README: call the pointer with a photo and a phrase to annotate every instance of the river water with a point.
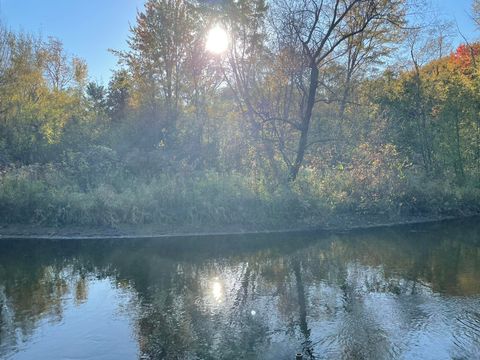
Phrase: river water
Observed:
(410, 292)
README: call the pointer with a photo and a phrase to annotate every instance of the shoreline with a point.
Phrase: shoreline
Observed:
(126, 232)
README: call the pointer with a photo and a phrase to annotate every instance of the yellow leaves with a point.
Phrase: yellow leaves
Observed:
(59, 108)
(80, 70)
(46, 113)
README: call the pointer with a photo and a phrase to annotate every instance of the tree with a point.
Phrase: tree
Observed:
(433, 114)
(97, 96)
(60, 70)
(118, 95)
(305, 37)
(41, 91)
(424, 45)
(364, 50)
(159, 46)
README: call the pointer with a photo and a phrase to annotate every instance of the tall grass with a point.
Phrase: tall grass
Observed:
(47, 195)
(204, 198)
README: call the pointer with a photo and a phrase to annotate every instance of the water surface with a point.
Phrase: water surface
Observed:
(398, 293)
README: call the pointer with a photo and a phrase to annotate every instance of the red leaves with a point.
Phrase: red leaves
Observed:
(465, 55)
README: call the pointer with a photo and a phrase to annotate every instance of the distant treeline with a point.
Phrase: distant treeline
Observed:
(316, 110)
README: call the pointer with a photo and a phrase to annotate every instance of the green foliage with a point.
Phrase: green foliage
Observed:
(41, 94)
(47, 196)
(91, 167)
(433, 116)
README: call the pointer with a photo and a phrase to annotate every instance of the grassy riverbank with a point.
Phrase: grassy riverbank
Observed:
(49, 196)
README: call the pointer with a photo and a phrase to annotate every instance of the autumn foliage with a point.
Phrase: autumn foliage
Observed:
(466, 55)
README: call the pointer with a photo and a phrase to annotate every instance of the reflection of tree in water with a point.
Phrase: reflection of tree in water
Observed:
(33, 296)
(346, 296)
(81, 290)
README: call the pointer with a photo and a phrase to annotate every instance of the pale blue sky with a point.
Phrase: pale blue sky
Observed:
(88, 28)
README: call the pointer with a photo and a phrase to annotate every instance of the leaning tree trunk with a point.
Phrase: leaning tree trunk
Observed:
(305, 125)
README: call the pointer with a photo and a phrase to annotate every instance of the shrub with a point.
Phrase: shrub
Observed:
(377, 183)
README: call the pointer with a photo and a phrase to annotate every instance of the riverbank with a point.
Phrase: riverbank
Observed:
(341, 224)
(38, 203)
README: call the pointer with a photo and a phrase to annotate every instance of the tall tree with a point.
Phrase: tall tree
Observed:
(159, 46)
(305, 37)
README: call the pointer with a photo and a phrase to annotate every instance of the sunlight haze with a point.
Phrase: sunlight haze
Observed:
(89, 28)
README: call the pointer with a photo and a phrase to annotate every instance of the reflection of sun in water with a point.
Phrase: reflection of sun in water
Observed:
(217, 40)
(217, 290)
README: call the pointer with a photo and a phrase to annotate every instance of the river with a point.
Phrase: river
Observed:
(404, 292)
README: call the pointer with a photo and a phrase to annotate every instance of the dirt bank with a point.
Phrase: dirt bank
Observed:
(339, 224)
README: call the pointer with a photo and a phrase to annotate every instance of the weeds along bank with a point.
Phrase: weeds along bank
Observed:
(51, 195)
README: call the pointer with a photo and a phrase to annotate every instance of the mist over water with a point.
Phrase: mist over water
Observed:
(404, 293)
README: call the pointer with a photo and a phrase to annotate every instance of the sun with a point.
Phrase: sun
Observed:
(217, 40)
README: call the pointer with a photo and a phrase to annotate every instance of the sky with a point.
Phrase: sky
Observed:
(88, 28)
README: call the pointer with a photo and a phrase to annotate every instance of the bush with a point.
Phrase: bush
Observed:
(204, 199)
(371, 183)
(376, 183)
(439, 196)
(88, 169)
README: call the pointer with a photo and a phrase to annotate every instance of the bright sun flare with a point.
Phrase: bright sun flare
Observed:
(217, 40)
(217, 290)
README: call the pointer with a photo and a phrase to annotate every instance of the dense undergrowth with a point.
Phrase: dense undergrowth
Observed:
(52, 195)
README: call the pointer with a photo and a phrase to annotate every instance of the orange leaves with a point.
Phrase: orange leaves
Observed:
(465, 55)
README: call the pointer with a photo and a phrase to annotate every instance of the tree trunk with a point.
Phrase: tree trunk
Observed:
(345, 96)
(307, 116)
